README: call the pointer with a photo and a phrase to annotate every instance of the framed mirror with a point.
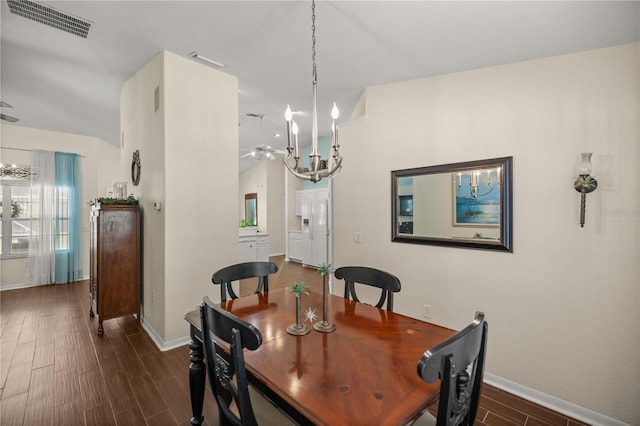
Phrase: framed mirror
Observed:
(460, 205)
(251, 209)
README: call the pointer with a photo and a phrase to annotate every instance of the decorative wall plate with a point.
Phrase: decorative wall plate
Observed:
(135, 168)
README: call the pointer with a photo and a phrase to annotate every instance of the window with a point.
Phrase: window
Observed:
(16, 217)
(15, 210)
(62, 218)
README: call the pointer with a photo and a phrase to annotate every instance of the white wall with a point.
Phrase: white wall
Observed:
(563, 309)
(250, 181)
(266, 179)
(275, 206)
(201, 163)
(189, 151)
(142, 128)
(99, 169)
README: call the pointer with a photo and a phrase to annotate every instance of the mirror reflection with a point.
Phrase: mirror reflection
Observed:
(251, 209)
(463, 204)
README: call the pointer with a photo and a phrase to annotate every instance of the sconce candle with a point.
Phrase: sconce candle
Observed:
(585, 183)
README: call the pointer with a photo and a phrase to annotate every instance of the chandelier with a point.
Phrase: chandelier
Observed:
(18, 172)
(318, 169)
(480, 182)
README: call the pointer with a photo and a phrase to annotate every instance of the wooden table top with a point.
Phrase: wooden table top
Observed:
(363, 373)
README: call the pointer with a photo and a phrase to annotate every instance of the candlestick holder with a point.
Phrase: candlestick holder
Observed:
(324, 326)
(298, 329)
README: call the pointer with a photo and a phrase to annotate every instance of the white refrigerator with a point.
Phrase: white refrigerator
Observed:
(315, 231)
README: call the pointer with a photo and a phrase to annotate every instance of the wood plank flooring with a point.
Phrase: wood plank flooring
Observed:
(55, 370)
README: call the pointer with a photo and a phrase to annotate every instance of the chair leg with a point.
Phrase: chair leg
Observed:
(197, 377)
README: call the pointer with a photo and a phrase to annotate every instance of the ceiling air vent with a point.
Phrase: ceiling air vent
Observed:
(50, 16)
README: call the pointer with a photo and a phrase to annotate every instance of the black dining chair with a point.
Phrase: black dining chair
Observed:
(386, 282)
(240, 271)
(238, 403)
(459, 363)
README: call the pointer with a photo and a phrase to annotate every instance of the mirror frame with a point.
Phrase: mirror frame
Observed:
(247, 199)
(505, 243)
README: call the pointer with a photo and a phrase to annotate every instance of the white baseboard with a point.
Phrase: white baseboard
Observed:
(27, 285)
(551, 402)
(16, 286)
(161, 344)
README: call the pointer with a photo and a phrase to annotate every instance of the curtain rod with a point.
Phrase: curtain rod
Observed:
(16, 149)
(31, 150)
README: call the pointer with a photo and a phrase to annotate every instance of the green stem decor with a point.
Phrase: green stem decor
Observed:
(324, 326)
(298, 329)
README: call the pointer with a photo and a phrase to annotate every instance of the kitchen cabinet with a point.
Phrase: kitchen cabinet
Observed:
(253, 247)
(262, 248)
(295, 246)
(114, 275)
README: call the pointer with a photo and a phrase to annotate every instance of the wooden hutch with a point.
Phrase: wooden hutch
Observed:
(115, 242)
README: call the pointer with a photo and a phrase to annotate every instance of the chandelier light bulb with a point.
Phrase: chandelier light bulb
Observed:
(294, 128)
(334, 112)
(288, 115)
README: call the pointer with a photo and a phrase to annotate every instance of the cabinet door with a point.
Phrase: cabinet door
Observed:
(295, 247)
(118, 262)
(262, 251)
(247, 251)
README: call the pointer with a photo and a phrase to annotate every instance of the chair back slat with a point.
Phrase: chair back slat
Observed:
(240, 271)
(226, 370)
(459, 363)
(386, 282)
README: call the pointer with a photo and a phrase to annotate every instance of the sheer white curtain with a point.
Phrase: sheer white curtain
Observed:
(42, 256)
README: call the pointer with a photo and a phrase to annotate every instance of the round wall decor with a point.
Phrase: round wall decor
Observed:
(135, 168)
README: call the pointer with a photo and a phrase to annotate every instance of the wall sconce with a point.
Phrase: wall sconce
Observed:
(585, 183)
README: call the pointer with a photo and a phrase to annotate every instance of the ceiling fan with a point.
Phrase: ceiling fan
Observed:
(261, 150)
(5, 117)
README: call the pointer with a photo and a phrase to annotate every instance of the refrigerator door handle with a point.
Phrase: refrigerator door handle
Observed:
(311, 221)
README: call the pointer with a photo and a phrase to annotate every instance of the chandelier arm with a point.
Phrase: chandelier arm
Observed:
(486, 193)
(331, 173)
(295, 172)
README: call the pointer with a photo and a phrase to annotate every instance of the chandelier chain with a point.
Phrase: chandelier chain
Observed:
(317, 168)
(313, 40)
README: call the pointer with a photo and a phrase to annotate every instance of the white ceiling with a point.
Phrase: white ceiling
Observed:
(61, 82)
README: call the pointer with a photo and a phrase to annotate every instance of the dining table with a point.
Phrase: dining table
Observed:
(362, 373)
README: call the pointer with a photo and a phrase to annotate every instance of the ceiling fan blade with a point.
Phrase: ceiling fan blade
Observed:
(3, 104)
(9, 118)
(248, 154)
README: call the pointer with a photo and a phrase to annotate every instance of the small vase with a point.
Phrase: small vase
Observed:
(298, 329)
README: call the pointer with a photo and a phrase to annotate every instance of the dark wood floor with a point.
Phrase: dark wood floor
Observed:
(55, 370)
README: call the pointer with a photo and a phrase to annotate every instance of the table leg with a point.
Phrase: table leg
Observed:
(197, 376)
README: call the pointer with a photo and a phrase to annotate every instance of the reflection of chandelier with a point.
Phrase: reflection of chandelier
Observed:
(18, 172)
(318, 169)
(478, 178)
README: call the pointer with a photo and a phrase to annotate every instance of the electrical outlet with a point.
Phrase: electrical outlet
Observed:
(426, 311)
(357, 237)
